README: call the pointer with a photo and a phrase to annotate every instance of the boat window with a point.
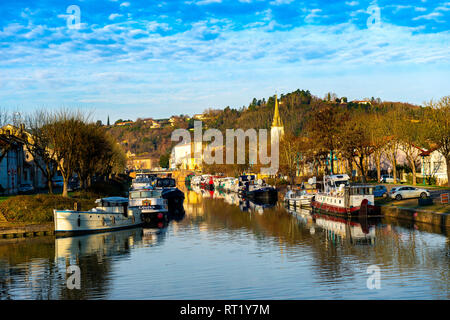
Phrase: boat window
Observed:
(134, 195)
(150, 194)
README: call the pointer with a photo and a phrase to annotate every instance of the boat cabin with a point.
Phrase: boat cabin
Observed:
(112, 205)
(164, 183)
(335, 181)
(145, 197)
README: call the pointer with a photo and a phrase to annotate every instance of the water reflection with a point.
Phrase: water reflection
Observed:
(226, 247)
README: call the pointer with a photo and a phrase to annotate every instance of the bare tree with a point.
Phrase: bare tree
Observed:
(38, 144)
(377, 139)
(438, 128)
(64, 132)
(392, 145)
(5, 144)
(411, 133)
(355, 142)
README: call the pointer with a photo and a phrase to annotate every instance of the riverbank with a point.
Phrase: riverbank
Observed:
(22, 230)
(436, 214)
(418, 214)
(39, 208)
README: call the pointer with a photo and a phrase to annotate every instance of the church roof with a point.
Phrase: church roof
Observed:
(276, 116)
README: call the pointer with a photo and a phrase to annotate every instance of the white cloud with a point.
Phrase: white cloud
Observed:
(280, 2)
(314, 14)
(431, 16)
(443, 7)
(123, 56)
(205, 2)
(114, 15)
(153, 26)
(125, 4)
(352, 3)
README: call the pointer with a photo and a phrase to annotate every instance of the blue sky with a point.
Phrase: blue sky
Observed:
(135, 58)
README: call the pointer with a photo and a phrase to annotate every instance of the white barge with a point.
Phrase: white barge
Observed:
(111, 213)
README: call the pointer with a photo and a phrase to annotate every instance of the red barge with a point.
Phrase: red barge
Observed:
(340, 198)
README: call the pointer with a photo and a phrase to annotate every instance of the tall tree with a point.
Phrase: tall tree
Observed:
(438, 128)
(38, 142)
(355, 142)
(411, 133)
(293, 150)
(392, 145)
(377, 139)
(64, 132)
(323, 129)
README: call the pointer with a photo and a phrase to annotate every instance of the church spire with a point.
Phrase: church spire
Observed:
(276, 116)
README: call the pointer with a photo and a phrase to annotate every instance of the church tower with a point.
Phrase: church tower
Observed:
(277, 128)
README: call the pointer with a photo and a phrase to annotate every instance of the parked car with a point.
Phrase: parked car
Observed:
(385, 178)
(73, 185)
(25, 188)
(409, 192)
(58, 182)
(393, 190)
(380, 191)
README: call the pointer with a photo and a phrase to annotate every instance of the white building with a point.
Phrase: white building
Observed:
(182, 157)
(17, 165)
(434, 165)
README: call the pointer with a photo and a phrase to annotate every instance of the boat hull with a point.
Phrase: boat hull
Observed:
(153, 216)
(76, 222)
(357, 211)
(262, 194)
(175, 199)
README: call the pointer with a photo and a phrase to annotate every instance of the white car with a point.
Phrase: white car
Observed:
(409, 192)
(386, 179)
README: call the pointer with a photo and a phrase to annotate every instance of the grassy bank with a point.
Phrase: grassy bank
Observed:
(39, 208)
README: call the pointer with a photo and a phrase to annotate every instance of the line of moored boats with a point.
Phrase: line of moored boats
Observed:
(334, 195)
(246, 185)
(150, 200)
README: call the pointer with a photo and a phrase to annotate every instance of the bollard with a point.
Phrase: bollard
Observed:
(77, 206)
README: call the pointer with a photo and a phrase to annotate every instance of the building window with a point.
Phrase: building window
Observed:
(438, 167)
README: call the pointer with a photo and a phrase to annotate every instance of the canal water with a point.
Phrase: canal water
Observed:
(227, 248)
